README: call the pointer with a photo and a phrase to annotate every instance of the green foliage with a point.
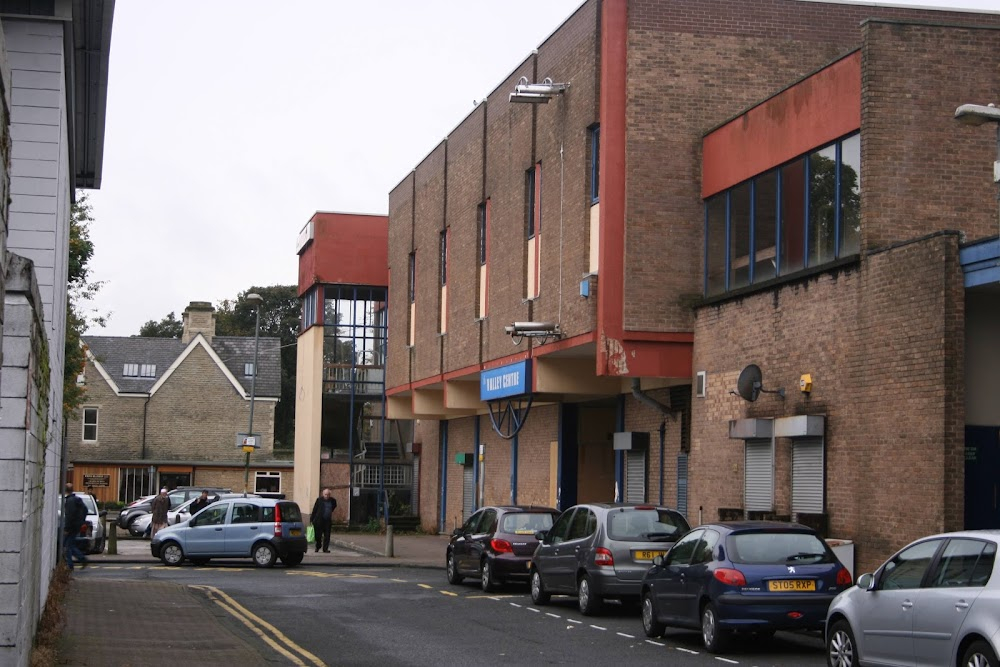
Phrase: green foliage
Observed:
(80, 290)
(373, 526)
(168, 327)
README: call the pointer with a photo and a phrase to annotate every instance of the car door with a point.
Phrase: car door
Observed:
(954, 584)
(578, 549)
(669, 586)
(547, 555)
(205, 534)
(887, 612)
(698, 575)
(481, 536)
(460, 548)
(243, 528)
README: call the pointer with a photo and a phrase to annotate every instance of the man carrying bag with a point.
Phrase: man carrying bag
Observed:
(321, 519)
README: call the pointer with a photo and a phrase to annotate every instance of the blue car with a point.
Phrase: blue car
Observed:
(742, 576)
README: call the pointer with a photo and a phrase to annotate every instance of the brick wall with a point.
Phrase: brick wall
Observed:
(888, 382)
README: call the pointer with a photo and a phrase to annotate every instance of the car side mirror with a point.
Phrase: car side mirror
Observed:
(866, 581)
(542, 536)
(457, 532)
(658, 561)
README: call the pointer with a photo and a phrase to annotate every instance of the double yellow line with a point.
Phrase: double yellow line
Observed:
(260, 627)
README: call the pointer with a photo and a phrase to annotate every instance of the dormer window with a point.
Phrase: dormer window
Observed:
(248, 370)
(130, 370)
(147, 370)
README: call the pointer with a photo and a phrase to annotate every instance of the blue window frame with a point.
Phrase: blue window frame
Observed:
(481, 222)
(533, 226)
(412, 272)
(804, 213)
(444, 257)
(595, 163)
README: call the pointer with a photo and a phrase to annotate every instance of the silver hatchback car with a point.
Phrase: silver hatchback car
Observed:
(936, 602)
(602, 550)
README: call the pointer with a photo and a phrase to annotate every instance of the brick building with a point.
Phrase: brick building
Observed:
(717, 187)
(168, 412)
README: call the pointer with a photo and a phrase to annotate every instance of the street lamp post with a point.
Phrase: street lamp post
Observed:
(977, 114)
(255, 300)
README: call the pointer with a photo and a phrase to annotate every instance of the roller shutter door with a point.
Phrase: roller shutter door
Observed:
(758, 475)
(635, 476)
(807, 475)
(682, 484)
(468, 492)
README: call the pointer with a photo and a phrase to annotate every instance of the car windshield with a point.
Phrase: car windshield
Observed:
(646, 524)
(525, 523)
(88, 501)
(778, 548)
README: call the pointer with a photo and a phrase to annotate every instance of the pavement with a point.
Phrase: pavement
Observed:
(122, 623)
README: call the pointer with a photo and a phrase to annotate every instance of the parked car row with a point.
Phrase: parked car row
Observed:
(936, 602)
(143, 505)
(140, 526)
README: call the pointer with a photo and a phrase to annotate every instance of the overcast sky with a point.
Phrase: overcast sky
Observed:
(230, 122)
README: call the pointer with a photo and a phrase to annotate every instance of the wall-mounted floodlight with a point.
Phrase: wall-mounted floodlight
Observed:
(544, 330)
(536, 93)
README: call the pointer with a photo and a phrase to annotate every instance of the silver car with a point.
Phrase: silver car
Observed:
(936, 602)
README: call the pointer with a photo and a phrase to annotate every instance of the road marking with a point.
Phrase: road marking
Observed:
(400, 581)
(138, 567)
(650, 641)
(112, 567)
(549, 613)
(306, 573)
(514, 604)
(454, 595)
(573, 620)
(425, 586)
(597, 627)
(247, 617)
(731, 662)
(537, 611)
(687, 650)
(622, 634)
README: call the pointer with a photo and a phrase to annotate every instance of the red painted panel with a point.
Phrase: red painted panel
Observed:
(347, 249)
(813, 112)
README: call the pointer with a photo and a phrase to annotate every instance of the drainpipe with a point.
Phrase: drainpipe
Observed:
(651, 402)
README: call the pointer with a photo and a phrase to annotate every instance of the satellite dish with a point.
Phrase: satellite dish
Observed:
(750, 384)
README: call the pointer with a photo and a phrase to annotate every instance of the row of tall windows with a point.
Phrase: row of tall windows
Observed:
(802, 214)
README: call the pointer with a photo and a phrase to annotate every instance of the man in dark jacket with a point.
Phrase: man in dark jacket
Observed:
(199, 503)
(74, 516)
(322, 518)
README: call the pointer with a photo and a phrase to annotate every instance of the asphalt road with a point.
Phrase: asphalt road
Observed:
(389, 616)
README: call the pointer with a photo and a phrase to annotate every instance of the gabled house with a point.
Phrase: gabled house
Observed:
(168, 412)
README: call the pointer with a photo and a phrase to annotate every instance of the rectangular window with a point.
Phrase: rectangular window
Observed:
(267, 482)
(309, 308)
(413, 277)
(793, 208)
(850, 196)
(765, 226)
(443, 244)
(248, 370)
(130, 370)
(739, 236)
(595, 163)
(147, 370)
(90, 424)
(715, 252)
(483, 219)
(533, 199)
(481, 223)
(822, 205)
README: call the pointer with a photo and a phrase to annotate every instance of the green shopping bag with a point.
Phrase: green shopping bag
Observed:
(311, 533)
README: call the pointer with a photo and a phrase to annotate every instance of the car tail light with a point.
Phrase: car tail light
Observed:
(844, 577)
(730, 577)
(277, 520)
(85, 530)
(795, 615)
(603, 558)
(501, 546)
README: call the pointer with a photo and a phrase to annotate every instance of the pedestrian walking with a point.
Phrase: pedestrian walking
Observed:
(74, 516)
(199, 503)
(160, 506)
(322, 518)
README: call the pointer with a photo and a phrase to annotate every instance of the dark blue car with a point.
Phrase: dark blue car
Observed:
(742, 576)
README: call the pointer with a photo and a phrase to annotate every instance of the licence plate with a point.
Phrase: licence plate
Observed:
(782, 585)
(647, 555)
(296, 532)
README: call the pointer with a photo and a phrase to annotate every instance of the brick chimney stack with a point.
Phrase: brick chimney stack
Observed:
(199, 318)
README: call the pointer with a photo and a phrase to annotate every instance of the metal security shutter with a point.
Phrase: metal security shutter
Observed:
(635, 476)
(415, 504)
(807, 475)
(468, 492)
(682, 484)
(758, 475)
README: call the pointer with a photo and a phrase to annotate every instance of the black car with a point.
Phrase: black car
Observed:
(496, 543)
(177, 497)
(754, 577)
(602, 550)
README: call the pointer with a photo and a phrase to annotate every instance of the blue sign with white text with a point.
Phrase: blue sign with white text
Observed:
(510, 380)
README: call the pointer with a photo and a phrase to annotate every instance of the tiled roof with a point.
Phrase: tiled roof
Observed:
(113, 352)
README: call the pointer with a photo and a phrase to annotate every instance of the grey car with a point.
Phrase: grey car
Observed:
(263, 529)
(602, 550)
(936, 602)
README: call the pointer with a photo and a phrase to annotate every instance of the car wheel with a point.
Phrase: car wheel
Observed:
(650, 624)
(293, 559)
(714, 637)
(538, 593)
(489, 583)
(264, 555)
(171, 553)
(452, 569)
(199, 561)
(979, 654)
(841, 649)
(588, 602)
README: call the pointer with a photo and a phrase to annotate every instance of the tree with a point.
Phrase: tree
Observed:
(168, 327)
(80, 290)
